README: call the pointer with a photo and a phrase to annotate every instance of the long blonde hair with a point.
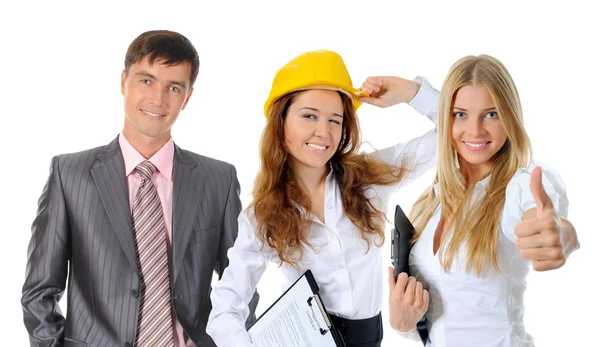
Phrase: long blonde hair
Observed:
(474, 224)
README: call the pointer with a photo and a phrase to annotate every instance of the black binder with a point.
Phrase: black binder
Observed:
(401, 235)
(316, 307)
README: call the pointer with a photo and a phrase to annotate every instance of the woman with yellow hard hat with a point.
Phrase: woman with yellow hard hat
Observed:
(317, 203)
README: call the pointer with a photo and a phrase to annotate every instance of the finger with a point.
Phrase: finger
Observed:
(539, 241)
(544, 253)
(425, 306)
(391, 280)
(376, 81)
(401, 281)
(533, 241)
(529, 227)
(547, 265)
(419, 294)
(370, 88)
(410, 290)
(361, 93)
(542, 200)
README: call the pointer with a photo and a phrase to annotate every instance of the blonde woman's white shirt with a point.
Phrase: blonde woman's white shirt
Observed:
(487, 311)
(349, 277)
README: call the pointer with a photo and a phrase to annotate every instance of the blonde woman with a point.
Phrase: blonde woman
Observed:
(490, 214)
(317, 202)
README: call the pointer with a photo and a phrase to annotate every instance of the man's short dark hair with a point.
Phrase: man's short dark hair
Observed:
(168, 47)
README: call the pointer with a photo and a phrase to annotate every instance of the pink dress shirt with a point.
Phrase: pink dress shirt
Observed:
(163, 181)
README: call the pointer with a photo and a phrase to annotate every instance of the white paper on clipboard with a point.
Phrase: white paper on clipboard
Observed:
(296, 319)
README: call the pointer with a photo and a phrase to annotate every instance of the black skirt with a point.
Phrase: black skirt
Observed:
(360, 332)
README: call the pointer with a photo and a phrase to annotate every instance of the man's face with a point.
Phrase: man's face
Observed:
(154, 95)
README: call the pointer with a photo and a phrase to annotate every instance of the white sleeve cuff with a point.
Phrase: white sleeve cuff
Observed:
(426, 100)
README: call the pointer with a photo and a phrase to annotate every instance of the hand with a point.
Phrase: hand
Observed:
(386, 91)
(408, 301)
(539, 234)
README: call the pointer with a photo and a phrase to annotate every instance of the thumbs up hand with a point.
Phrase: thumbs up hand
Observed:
(539, 234)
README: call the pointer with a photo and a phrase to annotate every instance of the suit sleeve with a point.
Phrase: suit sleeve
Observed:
(229, 234)
(47, 265)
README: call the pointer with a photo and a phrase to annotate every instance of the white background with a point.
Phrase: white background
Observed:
(61, 65)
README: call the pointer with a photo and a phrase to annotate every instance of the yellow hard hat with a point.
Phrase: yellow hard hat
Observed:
(319, 69)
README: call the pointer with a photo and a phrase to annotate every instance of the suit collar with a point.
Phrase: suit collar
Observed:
(109, 175)
(188, 186)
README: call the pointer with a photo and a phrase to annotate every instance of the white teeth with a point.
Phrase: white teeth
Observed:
(475, 145)
(317, 146)
(151, 114)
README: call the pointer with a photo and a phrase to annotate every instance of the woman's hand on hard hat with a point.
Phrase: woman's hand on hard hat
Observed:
(386, 91)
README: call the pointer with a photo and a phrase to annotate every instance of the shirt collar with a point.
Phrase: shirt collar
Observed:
(163, 159)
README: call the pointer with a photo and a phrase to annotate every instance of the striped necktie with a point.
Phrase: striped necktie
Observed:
(155, 325)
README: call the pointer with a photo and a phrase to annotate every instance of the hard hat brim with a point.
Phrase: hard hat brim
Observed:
(354, 94)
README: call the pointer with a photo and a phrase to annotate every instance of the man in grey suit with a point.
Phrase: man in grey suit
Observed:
(137, 226)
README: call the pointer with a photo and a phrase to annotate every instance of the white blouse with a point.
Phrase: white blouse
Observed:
(466, 310)
(349, 276)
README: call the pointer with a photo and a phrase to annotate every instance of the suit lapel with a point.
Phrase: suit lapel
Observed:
(188, 184)
(109, 175)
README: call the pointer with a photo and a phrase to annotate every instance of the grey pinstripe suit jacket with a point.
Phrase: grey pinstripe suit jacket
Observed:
(83, 231)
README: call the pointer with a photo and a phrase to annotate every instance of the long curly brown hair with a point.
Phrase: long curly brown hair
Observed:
(277, 193)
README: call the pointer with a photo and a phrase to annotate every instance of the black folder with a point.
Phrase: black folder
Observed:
(401, 245)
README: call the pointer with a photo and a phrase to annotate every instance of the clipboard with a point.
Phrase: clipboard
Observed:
(402, 235)
(297, 318)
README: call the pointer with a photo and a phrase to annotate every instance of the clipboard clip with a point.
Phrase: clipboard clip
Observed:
(323, 313)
